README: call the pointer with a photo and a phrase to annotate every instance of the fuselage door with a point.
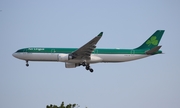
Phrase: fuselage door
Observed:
(25, 51)
(53, 51)
(95, 51)
(132, 52)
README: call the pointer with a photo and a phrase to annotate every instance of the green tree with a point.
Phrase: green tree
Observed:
(62, 106)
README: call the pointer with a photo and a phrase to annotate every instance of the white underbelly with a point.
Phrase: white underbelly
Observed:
(41, 56)
(97, 57)
(120, 57)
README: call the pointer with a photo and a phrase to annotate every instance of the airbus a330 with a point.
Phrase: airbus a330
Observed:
(88, 53)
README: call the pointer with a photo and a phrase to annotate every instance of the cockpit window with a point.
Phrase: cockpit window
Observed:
(21, 50)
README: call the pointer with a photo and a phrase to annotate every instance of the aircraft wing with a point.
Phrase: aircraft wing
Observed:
(85, 51)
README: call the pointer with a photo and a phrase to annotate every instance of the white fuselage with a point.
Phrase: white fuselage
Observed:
(95, 58)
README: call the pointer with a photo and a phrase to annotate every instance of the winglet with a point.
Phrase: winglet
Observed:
(153, 50)
(100, 34)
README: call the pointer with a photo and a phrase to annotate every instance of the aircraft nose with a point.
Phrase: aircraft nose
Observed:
(18, 55)
(14, 54)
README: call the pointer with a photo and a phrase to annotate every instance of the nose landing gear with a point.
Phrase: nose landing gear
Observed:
(27, 64)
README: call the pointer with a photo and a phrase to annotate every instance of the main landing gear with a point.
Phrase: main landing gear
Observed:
(27, 64)
(87, 67)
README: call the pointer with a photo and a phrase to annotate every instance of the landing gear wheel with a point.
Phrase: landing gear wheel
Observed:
(27, 64)
(87, 67)
(83, 63)
(91, 70)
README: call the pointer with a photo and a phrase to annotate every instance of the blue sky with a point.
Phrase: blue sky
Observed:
(147, 83)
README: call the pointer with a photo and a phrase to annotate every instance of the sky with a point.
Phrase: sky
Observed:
(151, 82)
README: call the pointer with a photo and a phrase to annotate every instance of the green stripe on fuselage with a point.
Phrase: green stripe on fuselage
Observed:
(70, 50)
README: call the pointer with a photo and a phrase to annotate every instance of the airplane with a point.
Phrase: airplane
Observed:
(89, 54)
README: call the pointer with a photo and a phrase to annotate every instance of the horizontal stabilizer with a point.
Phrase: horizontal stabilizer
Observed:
(153, 50)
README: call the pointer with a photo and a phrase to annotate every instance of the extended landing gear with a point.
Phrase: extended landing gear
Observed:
(91, 70)
(27, 64)
(87, 67)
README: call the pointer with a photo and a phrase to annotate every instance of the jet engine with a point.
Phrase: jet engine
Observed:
(65, 57)
(70, 65)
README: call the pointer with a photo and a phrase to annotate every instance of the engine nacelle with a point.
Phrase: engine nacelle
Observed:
(70, 65)
(63, 57)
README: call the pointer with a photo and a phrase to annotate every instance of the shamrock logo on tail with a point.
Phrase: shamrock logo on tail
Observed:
(152, 41)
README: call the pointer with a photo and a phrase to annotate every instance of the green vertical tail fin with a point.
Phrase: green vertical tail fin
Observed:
(152, 41)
